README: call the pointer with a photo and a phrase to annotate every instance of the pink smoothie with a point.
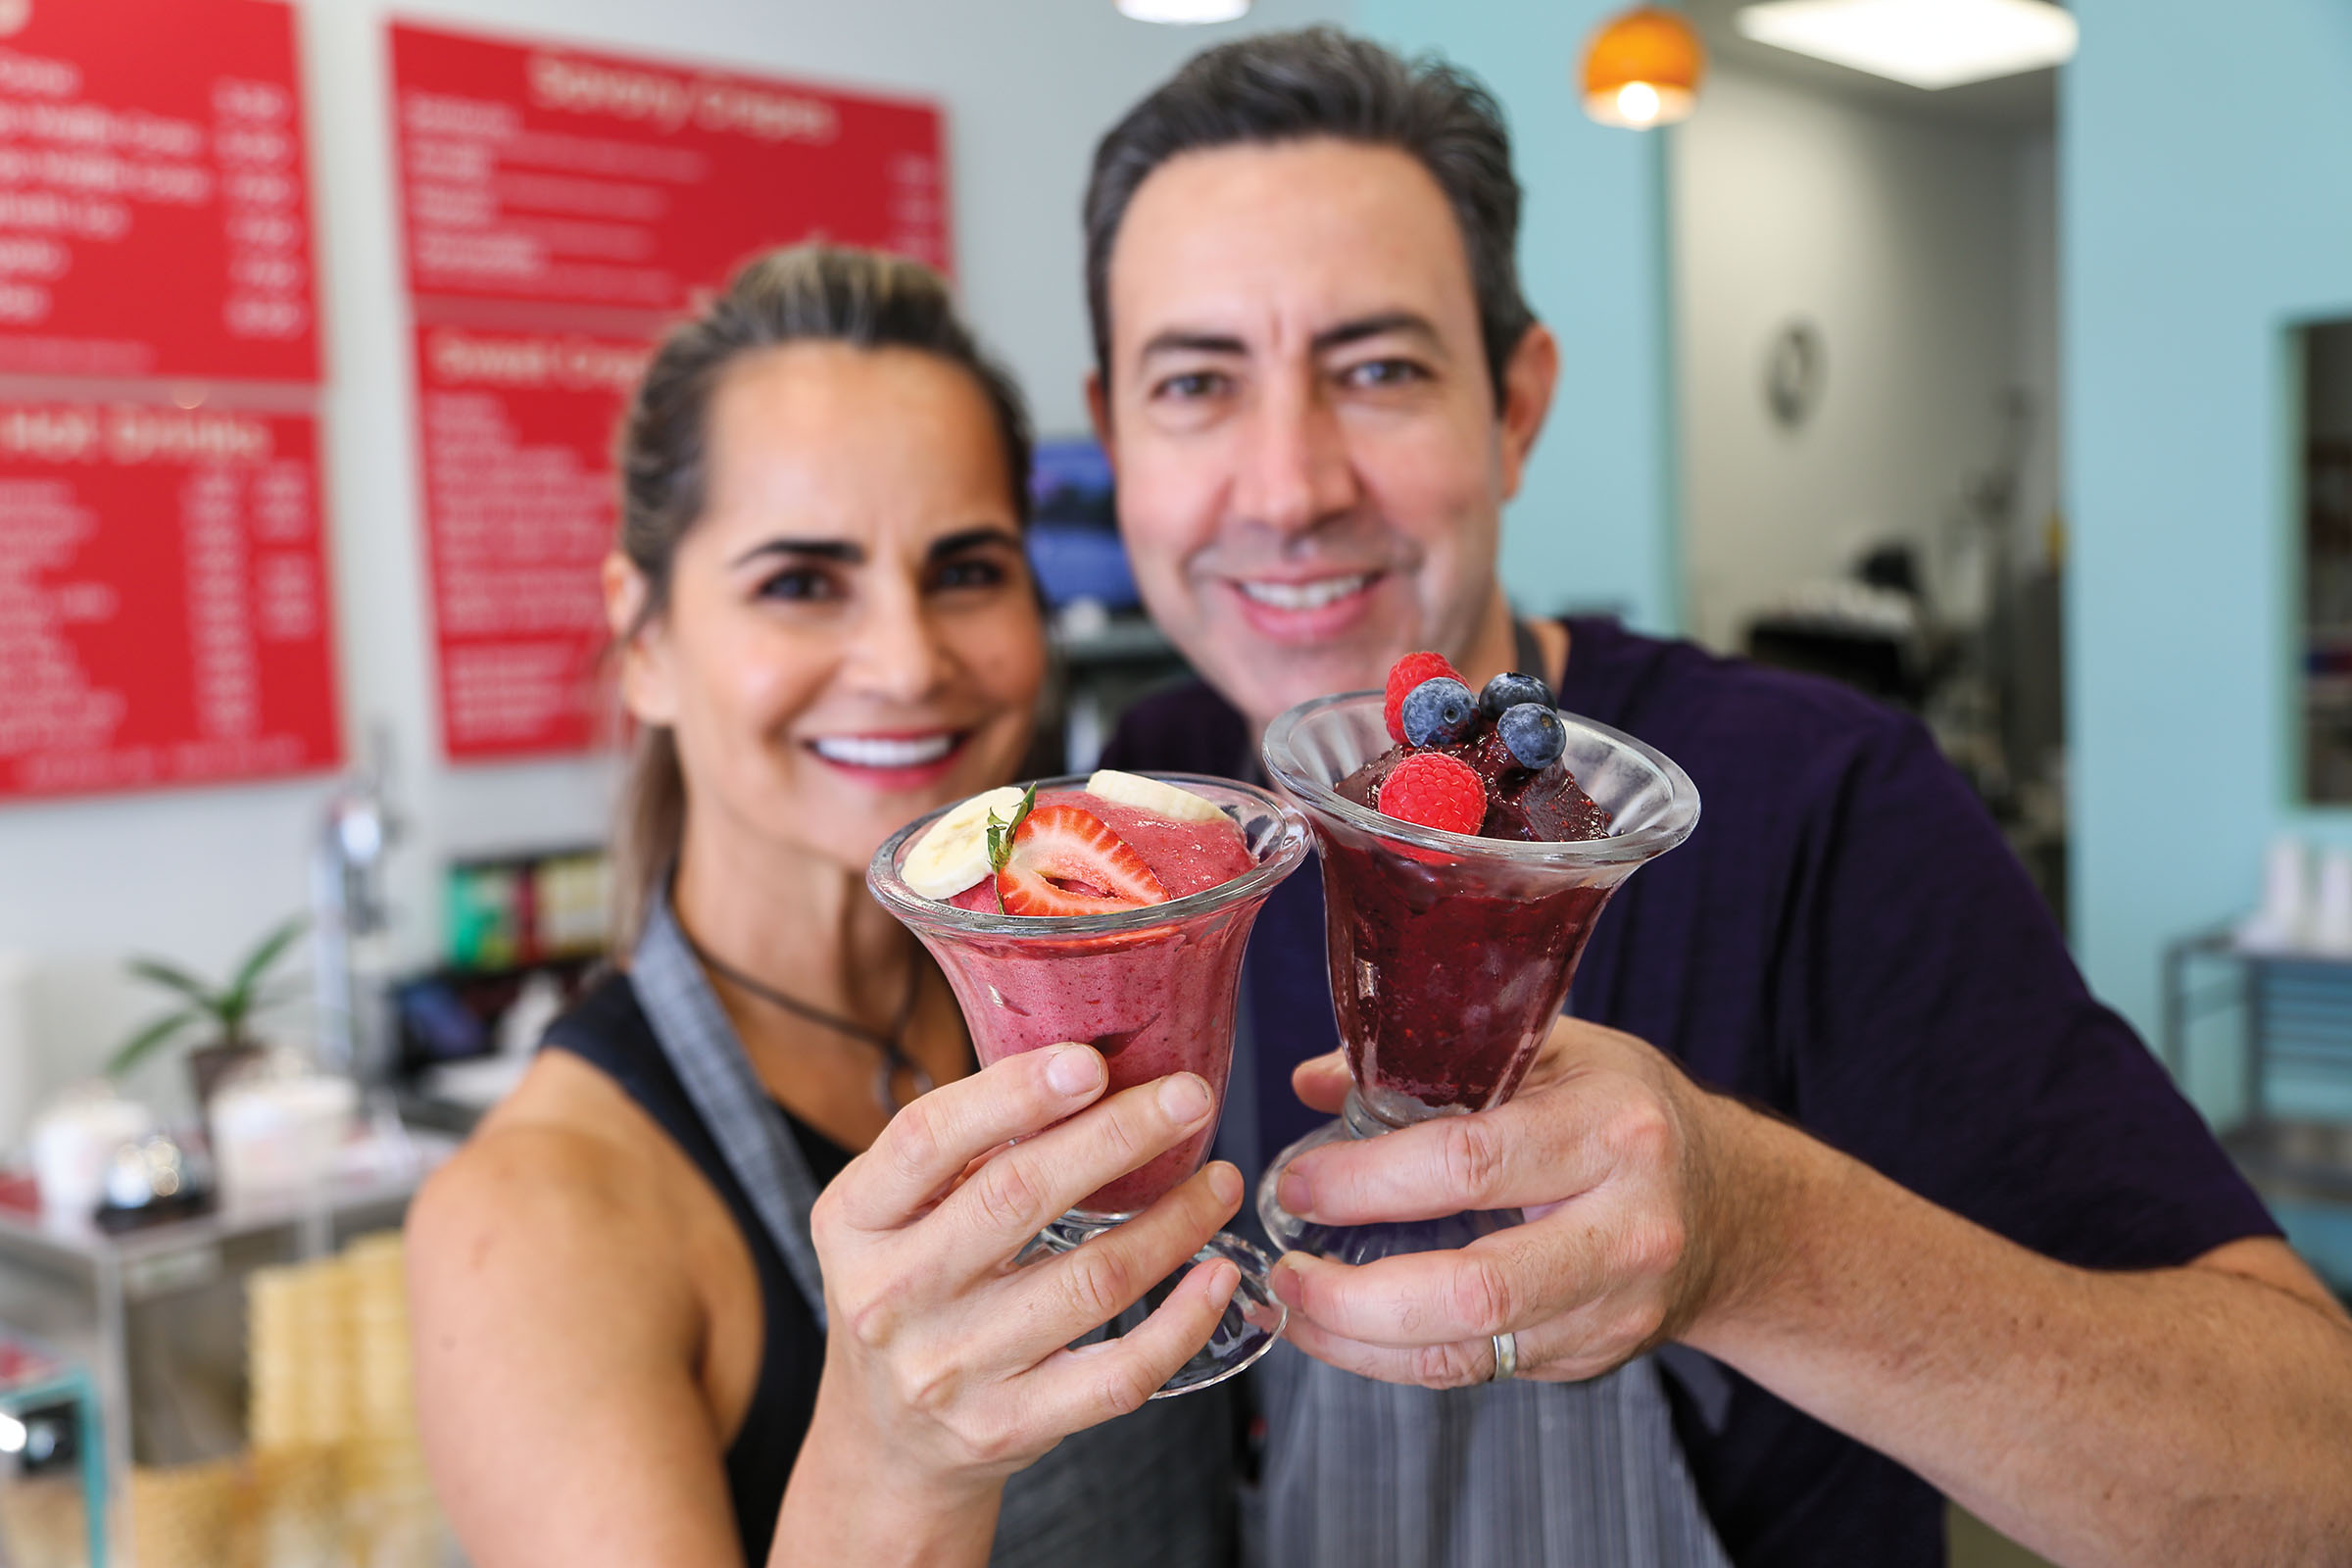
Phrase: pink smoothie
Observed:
(1153, 1000)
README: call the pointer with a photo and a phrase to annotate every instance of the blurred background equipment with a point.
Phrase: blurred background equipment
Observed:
(52, 1461)
(2325, 349)
(351, 919)
(1106, 651)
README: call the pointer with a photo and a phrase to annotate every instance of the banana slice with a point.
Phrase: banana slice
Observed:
(953, 855)
(1151, 795)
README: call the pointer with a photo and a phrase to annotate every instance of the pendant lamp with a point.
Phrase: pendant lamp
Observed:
(1643, 67)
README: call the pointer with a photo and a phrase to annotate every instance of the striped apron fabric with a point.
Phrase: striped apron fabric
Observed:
(1152, 1490)
(1360, 1474)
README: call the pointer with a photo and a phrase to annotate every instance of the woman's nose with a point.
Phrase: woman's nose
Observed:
(897, 655)
(1294, 470)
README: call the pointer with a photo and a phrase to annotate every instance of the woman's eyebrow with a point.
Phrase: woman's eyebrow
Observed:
(967, 538)
(842, 551)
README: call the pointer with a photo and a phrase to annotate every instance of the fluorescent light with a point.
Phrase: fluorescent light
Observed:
(1184, 10)
(1927, 43)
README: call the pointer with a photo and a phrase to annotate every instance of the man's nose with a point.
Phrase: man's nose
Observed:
(1293, 469)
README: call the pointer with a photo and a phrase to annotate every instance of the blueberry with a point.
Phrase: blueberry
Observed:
(1439, 711)
(1509, 690)
(1533, 734)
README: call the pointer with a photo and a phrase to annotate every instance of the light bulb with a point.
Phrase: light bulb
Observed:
(1637, 102)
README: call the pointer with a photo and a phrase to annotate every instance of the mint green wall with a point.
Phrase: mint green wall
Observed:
(1595, 524)
(2206, 193)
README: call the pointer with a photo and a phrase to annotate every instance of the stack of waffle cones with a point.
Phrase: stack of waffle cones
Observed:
(337, 1476)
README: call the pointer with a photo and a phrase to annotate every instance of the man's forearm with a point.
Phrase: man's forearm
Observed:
(2176, 1416)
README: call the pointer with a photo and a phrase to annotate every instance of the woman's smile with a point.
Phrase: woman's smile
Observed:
(892, 760)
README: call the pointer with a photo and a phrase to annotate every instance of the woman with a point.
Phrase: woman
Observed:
(624, 1353)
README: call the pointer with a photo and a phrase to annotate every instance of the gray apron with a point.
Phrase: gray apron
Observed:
(1570, 1475)
(1150, 1489)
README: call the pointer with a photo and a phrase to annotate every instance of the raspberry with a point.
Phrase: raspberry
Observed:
(1405, 674)
(1436, 791)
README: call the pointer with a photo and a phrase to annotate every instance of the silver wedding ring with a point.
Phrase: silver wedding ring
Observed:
(1507, 1357)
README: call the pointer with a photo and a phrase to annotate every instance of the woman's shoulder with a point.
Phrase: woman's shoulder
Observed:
(569, 1167)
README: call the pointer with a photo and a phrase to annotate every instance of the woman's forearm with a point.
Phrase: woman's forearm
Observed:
(2186, 1415)
(849, 1502)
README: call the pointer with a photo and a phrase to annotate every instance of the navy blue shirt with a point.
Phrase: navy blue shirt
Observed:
(1846, 940)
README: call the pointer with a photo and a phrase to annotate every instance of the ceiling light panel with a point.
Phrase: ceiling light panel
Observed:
(1927, 43)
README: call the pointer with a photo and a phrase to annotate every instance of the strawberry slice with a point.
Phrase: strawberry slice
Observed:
(1066, 860)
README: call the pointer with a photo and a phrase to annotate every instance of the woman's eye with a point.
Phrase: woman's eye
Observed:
(972, 573)
(1382, 373)
(1192, 385)
(799, 583)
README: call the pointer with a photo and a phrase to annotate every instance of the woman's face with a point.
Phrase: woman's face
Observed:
(850, 637)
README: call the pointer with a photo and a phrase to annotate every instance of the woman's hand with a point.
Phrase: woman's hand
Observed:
(946, 1368)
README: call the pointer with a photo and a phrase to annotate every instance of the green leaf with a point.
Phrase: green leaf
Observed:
(272, 947)
(999, 836)
(1000, 832)
(172, 977)
(134, 1051)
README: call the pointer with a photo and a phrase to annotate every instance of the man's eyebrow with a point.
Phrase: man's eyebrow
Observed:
(1410, 322)
(1182, 340)
(967, 538)
(842, 551)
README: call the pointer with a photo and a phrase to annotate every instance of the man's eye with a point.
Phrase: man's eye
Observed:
(976, 572)
(1383, 372)
(1193, 385)
(799, 583)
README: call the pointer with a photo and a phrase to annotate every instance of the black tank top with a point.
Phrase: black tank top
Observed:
(608, 1030)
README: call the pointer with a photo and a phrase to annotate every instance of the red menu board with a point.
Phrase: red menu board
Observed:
(163, 598)
(153, 212)
(563, 204)
(550, 174)
(517, 435)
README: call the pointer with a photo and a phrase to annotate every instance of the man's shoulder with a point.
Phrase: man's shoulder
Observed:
(1729, 716)
(1183, 728)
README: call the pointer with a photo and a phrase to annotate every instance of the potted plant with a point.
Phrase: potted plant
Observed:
(226, 1011)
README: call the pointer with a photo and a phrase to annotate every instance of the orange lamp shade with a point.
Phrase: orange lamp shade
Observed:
(1643, 67)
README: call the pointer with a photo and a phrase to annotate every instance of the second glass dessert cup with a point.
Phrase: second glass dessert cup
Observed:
(1450, 955)
(1155, 990)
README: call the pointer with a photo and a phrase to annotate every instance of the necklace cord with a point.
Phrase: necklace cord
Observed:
(895, 1059)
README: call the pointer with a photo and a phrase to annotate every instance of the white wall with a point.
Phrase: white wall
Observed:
(195, 874)
(1898, 239)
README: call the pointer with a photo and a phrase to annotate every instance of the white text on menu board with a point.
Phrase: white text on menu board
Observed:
(75, 172)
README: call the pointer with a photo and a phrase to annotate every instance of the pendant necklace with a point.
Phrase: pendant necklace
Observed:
(892, 1046)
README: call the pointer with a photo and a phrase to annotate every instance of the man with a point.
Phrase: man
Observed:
(1932, 1215)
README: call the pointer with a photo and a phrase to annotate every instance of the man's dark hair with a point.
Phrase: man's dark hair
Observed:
(1319, 81)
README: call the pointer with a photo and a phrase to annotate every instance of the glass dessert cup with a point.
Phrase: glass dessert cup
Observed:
(1154, 989)
(1450, 955)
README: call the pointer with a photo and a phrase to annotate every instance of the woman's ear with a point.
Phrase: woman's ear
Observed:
(646, 688)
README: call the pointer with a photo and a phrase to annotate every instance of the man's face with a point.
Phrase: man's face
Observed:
(1311, 466)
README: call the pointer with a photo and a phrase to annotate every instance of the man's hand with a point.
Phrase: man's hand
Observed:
(1615, 1155)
